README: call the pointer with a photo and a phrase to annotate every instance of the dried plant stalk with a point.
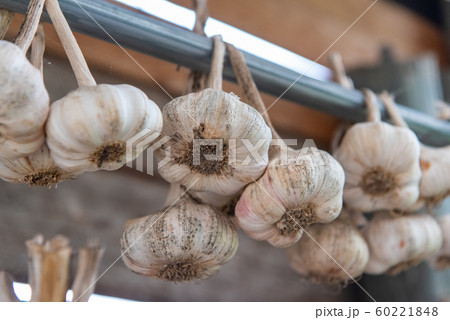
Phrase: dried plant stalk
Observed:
(6, 288)
(6, 18)
(38, 49)
(30, 25)
(89, 259)
(48, 268)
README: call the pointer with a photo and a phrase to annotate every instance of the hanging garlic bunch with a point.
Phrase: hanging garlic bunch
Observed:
(24, 101)
(88, 129)
(299, 187)
(399, 243)
(186, 241)
(441, 260)
(381, 164)
(330, 253)
(37, 168)
(216, 140)
(434, 164)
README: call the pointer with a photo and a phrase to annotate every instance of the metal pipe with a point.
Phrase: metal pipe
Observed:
(138, 31)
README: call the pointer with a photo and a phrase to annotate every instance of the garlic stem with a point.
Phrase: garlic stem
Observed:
(7, 293)
(73, 51)
(6, 18)
(373, 111)
(337, 66)
(30, 25)
(248, 86)
(38, 49)
(88, 264)
(201, 15)
(392, 109)
(215, 75)
(48, 268)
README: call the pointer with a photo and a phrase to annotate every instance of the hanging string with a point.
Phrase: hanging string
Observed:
(196, 79)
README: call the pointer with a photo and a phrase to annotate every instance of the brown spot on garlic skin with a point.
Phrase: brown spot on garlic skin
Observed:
(425, 165)
(377, 182)
(402, 243)
(108, 152)
(403, 266)
(296, 219)
(442, 262)
(45, 178)
(206, 167)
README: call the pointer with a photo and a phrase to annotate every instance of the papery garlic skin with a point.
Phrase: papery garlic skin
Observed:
(399, 243)
(213, 114)
(185, 242)
(381, 164)
(306, 187)
(341, 257)
(435, 180)
(24, 104)
(441, 260)
(36, 169)
(89, 128)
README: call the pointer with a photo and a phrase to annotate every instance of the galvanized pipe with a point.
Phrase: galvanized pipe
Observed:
(140, 32)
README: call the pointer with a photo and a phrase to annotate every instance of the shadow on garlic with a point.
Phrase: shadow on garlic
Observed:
(381, 164)
(24, 101)
(186, 241)
(399, 243)
(88, 129)
(434, 184)
(213, 135)
(441, 260)
(298, 188)
(333, 253)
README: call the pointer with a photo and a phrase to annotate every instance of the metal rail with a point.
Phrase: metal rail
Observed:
(140, 32)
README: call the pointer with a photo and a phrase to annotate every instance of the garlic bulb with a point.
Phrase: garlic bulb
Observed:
(330, 253)
(434, 164)
(89, 128)
(36, 169)
(187, 241)
(213, 135)
(24, 101)
(381, 164)
(441, 260)
(298, 188)
(399, 243)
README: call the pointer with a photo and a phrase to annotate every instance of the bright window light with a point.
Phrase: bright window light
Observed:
(185, 18)
(23, 292)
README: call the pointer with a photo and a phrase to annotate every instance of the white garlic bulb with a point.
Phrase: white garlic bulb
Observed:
(291, 195)
(330, 253)
(232, 127)
(216, 140)
(36, 169)
(24, 104)
(298, 188)
(441, 260)
(434, 164)
(399, 243)
(187, 241)
(381, 164)
(89, 128)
